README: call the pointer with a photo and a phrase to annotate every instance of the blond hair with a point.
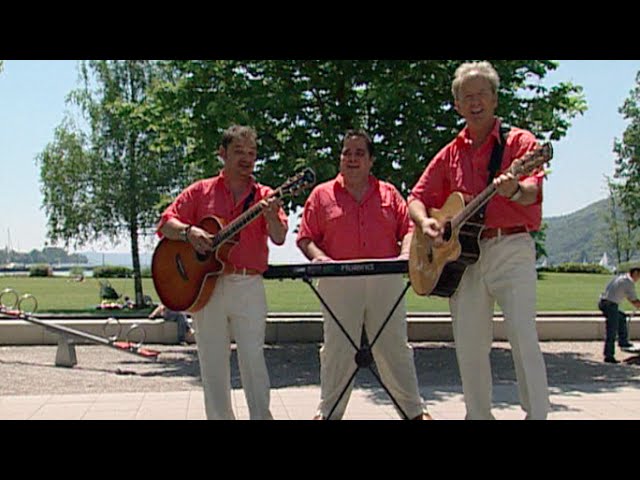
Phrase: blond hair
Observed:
(474, 69)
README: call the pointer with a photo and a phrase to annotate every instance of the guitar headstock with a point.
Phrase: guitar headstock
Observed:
(532, 160)
(299, 182)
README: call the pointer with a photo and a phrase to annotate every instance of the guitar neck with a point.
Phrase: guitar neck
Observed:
(473, 206)
(242, 221)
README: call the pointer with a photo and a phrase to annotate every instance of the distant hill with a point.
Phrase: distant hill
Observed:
(579, 236)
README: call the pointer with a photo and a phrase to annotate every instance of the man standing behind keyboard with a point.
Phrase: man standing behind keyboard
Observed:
(505, 270)
(356, 216)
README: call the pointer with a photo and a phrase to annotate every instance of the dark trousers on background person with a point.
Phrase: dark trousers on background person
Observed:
(616, 327)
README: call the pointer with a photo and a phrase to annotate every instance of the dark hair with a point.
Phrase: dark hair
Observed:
(235, 132)
(361, 134)
(634, 270)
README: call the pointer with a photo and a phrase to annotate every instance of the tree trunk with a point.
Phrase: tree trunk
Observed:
(135, 256)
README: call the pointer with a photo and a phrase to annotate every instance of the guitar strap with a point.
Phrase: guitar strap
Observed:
(249, 199)
(495, 162)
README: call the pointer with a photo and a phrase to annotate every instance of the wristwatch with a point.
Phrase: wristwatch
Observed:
(184, 233)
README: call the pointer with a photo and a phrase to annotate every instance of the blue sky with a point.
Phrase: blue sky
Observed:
(32, 102)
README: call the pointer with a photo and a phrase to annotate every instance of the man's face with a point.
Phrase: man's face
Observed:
(355, 161)
(635, 276)
(239, 157)
(476, 101)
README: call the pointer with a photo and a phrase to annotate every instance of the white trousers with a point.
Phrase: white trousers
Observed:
(237, 307)
(504, 273)
(368, 300)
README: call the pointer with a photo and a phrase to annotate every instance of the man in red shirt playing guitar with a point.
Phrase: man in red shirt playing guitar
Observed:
(237, 305)
(505, 270)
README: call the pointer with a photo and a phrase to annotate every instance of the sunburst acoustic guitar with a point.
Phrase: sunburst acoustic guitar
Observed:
(185, 279)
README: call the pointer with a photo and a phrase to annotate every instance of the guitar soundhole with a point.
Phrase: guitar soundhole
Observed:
(446, 236)
(201, 257)
(181, 269)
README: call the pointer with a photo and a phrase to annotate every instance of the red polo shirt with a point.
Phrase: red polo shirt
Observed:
(347, 230)
(212, 197)
(458, 168)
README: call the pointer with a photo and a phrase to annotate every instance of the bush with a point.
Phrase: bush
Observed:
(111, 271)
(76, 271)
(626, 266)
(572, 267)
(41, 270)
(145, 272)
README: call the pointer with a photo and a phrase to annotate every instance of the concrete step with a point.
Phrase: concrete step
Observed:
(304, 327)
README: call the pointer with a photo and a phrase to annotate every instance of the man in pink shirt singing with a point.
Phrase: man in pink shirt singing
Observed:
(356, 216)
(505, 271)
(238, 304)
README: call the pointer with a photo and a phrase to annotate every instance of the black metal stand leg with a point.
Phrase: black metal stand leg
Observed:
(364, 355)
(307, 280)
(395, 305)
(364, 359)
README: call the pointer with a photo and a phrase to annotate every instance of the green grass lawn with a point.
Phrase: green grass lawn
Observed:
(556, 292)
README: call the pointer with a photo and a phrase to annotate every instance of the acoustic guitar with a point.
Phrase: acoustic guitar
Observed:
(437, 270)
(185, 279)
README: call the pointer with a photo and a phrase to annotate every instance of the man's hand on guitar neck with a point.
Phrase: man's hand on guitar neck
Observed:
(270, 209)
(508, 186)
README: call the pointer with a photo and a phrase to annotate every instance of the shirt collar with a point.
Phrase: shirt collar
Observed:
(465, 138)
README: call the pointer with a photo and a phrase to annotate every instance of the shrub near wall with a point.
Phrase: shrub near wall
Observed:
(41, 270)
(110, 271)
(572, 267)
(626, 266)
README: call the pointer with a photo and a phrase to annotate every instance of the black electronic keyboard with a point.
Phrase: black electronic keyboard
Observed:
(337, 269)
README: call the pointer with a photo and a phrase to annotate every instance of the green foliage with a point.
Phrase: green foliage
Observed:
(628, 162)
(620, 235)
(111, 271)
(41, 270)
(540, 238)
(301, 109)
(76, 271)
(107, 182)
(577, 236)
(47, 255)
(571, 267)
(626, 266)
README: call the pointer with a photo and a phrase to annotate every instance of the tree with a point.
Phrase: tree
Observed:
(301, 108)
(620, 235)
(627, 170)
(109, 181)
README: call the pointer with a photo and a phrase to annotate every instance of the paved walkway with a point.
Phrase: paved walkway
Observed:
(107, 384)
(569, 402)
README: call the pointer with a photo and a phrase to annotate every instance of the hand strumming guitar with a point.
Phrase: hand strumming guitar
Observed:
(200, 240)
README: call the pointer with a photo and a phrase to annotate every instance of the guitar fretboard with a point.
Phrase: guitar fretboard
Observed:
(242, 221)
